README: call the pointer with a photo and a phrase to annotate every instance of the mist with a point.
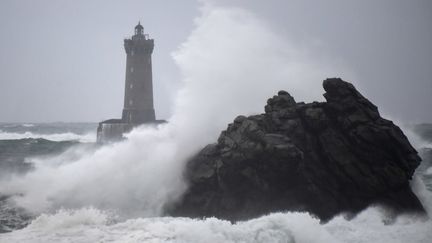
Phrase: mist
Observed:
(64, 60)
(221, 79)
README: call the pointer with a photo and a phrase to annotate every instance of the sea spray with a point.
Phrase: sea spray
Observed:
(92, 225)
(230, 64)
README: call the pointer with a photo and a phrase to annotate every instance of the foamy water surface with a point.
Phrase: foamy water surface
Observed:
(92, 225)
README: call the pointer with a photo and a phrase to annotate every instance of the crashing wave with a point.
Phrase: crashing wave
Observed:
(92, 225)
(68, 136)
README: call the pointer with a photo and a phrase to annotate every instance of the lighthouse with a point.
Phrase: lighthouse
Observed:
(138, 106)
(138, 100)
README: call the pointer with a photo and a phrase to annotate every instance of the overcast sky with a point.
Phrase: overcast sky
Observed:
(64, 60)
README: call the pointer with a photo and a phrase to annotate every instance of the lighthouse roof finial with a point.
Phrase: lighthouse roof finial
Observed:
(139, 26)
(139, 29)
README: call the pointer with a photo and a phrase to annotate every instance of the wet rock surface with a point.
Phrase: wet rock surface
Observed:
(322, 157)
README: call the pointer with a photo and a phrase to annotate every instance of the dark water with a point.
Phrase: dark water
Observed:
(13, 153)
(48, 128)
(20, 142)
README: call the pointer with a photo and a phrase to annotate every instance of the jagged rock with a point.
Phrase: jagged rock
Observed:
(323, 158)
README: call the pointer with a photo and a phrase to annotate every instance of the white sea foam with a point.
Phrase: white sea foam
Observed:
(422, 193)
(68, 136)
(92, 225)
(372, 226)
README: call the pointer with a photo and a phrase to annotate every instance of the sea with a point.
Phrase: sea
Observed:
(26, 147)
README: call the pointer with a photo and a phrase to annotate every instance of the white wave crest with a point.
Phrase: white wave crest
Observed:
(92, 225)
(372, 225)
(68, 136)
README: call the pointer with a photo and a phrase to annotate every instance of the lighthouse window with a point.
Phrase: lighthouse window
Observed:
(130, 86)
(130, 102)
(132, 53)
(131, 69)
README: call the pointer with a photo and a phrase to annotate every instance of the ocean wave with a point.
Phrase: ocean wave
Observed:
(68, 136)
(92, 225)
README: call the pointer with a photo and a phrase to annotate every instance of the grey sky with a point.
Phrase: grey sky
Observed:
(64, 60)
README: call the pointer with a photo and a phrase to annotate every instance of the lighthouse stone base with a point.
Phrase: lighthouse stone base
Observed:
(113, 130)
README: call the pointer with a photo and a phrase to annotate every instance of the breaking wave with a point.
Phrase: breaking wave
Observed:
(68, 136)
(93, 225)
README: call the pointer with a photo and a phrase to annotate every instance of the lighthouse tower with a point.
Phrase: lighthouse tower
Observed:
(138, 100)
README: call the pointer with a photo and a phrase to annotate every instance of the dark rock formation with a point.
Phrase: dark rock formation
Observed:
(323, 158)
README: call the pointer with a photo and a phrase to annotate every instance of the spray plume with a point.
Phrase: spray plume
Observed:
(230, 64)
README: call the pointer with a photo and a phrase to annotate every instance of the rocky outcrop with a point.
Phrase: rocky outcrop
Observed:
(323, 157)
